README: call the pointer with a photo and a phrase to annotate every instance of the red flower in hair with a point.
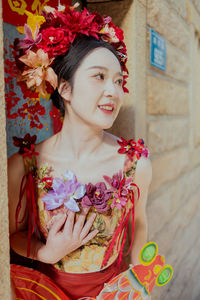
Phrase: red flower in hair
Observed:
(24, 143)
(80, 22)
(56, 41)
(118, 32)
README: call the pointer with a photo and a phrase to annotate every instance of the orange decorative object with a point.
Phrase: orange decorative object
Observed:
(138, 282)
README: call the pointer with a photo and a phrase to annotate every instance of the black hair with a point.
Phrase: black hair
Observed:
(66, 65)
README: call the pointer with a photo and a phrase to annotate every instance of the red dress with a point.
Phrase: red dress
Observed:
(84, 272)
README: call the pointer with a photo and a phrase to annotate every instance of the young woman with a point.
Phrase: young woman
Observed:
(87, 189)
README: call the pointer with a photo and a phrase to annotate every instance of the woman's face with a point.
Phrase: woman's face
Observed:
(97, 93)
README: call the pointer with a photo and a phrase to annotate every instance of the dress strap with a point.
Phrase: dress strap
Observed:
(134, 151)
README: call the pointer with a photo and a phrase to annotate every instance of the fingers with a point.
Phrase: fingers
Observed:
(87, 226)
(90, 236)
(57, 225)
(80, 222)
(69, 224)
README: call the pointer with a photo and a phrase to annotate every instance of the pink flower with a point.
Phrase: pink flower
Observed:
(118, 201)
(29, 41)
(145, 152)
(119, 183)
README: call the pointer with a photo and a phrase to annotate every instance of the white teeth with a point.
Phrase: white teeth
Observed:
(106, 107)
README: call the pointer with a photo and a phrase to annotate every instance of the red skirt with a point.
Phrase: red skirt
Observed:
(29, 284)
(83, 285)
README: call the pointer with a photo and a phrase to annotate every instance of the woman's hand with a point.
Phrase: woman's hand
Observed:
(61, 242)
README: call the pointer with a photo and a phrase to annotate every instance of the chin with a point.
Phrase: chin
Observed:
(108, 126)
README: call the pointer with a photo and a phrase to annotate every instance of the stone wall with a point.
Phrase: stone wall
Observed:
(173, 129)
(4, 245)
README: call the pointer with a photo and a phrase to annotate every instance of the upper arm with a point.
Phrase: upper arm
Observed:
(143, 176)
(15, 174)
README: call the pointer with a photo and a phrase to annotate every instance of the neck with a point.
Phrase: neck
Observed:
(79, 138)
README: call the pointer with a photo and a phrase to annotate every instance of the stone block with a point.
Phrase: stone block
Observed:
(176, 247)
(165, 135)
(161, 18)
(163, 207)
(167, 167)
(181, 228)
(185, 285)
(192, 289)
(172, 198)
(180, 7)
(166, 97)
(194, 15)
(177, 64)
(195, 157)
(196, 4)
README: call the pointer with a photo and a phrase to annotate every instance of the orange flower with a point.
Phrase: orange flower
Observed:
(38, 71)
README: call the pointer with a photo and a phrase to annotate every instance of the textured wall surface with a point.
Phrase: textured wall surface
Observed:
(4, 245)
(173, 126)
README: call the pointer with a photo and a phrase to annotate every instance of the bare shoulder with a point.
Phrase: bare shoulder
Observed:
(16, 171)
(45, 145)
(143, 171)
(15, 166)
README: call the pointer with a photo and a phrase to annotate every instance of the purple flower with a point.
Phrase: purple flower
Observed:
(65, 191)
(29, 41)
(97, 196)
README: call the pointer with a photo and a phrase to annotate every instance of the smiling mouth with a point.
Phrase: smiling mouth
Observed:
(106, 108)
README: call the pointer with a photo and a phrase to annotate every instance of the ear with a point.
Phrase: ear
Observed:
(64, 89)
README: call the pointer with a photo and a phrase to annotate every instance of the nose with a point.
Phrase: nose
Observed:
(110, 89)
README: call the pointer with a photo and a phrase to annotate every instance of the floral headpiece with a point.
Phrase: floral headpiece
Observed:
(49, 35)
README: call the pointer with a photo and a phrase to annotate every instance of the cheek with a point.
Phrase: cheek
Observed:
(121, 97)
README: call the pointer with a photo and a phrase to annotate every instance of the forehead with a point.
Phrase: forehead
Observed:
(101, 57)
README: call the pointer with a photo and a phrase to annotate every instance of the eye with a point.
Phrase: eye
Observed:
(100, 76)
(119, 82)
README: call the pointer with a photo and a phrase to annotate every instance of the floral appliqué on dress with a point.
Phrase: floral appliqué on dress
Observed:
(112, 204)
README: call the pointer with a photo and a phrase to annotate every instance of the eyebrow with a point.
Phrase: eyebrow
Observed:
(103, 68)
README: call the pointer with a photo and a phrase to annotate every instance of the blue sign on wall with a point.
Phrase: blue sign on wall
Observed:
(157, 51)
